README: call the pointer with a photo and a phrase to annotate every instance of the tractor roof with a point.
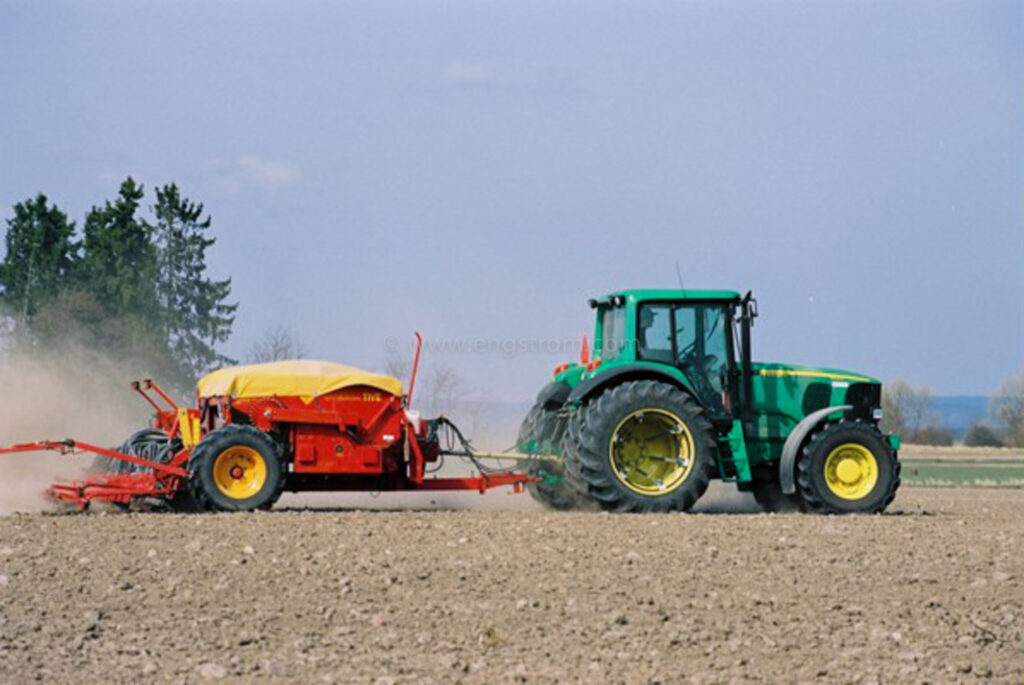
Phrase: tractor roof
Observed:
(641, 295)
(303, 378)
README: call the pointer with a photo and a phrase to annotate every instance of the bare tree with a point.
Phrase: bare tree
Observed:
(397, 365)
(1007, 406)
(276, 343)
(443, 390)
(440, 388)
(475, 409)
(907, 408)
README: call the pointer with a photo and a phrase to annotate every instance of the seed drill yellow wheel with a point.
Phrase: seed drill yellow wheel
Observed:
(239, 472)
(235, 468)
(651, 451)
(851, 471)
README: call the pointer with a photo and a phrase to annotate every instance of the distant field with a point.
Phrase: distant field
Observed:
(962, 466)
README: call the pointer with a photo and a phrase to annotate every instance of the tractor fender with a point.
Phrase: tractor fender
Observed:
(625, 372)
(553, 395)
(791, 448)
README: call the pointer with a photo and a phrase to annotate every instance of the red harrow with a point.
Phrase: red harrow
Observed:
(259, 430)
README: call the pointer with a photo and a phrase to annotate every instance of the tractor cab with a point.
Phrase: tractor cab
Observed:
(693, 332)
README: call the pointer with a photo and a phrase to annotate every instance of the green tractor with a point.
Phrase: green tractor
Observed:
(671, 399)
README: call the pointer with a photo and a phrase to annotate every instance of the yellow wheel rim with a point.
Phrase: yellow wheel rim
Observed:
(851, 471)
(239, 472)
(651, 452)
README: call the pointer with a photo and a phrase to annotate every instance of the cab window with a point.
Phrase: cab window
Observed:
(702, 349)
(691, 337)
(613, 332)
(654, 332)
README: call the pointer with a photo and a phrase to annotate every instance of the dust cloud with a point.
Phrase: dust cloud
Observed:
(55, 395)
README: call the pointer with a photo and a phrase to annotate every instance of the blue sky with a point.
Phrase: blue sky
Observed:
(478, 170)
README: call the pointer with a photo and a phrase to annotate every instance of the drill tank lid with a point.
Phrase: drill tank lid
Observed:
(305, 378)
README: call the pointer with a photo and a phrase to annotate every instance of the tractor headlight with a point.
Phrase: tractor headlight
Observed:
(877, 414)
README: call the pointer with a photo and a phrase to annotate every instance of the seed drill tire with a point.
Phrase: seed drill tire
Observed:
(201, 484)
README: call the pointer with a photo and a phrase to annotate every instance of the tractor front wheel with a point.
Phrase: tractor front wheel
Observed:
(642, 446)
(847, 467)
(235, 468)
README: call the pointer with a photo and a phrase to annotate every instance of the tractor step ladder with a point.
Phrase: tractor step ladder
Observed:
(734, 455)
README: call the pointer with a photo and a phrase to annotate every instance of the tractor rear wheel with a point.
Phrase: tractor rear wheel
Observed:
(642, 446)
(847, 467)
(543, 432)
(235, 468)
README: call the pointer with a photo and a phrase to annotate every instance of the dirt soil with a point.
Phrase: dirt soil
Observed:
(930, 592)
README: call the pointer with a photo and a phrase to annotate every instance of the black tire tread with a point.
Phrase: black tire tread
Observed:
(585, 456)
(542, 424)
(215, 442)
(809, 495)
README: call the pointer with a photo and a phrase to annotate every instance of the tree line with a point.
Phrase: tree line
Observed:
(129, 284)
(908, 409)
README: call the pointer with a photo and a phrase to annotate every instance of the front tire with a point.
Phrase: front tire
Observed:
(235, 468)
(642, 446)
(847, 467)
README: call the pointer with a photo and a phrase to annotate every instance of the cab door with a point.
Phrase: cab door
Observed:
(695, 338)
(703, 351)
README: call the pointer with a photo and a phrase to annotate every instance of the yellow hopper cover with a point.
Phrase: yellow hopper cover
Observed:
(303, 378)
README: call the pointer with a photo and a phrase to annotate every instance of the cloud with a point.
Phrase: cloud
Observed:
(252, 171)
(467, 73)
(267, 173)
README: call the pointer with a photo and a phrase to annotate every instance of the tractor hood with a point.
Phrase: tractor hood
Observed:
(783, 394)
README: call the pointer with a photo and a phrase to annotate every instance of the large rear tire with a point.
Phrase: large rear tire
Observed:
(847, 467)
(642, 446)
(235, 468)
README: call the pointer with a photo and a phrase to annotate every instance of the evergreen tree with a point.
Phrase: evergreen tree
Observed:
(131, 289)
(194, 314)
(119, 262)
(41, 254)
